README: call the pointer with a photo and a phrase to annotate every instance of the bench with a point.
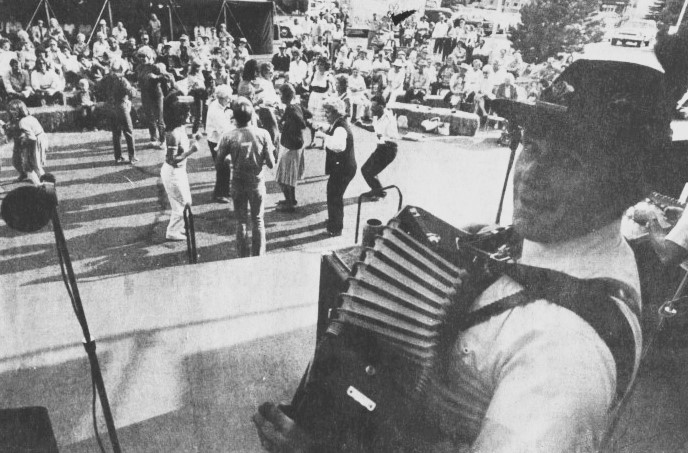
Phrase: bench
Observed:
(63, 118)
(460, 123)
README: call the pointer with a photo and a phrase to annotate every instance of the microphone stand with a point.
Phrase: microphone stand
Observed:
(89, 343)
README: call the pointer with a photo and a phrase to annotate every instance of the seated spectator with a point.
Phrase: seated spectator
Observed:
(360, 99)
(120, 33)
(100, 47)
(397, 79)
(342, 92)
(442, 84)
(55, 31)
(244, 50)
(114, 51)
(19, 86)
(516, 66)
(380, 70)
(46, 84)
(507, 89)
(38, 33)
(484, 95)
(84, 102)
(103, 28)
(80, 47)
(281, 61)
(459, 54)
(342, 63)
(419, 85)
(145, 42)
(56, 57)
(481, 52)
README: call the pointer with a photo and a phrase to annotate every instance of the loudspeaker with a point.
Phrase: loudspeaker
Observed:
(26, 430)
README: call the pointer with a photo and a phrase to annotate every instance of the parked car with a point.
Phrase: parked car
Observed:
(637, 31)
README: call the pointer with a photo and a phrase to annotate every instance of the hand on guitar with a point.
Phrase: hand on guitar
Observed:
(278, 432)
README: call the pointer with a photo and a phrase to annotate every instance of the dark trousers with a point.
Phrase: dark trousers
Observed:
(383, 155)
(152, 109)
(222, 174)
(336, 186)
(439, 45)
(414, 95)
(85, 117)
(120, 122)
(197, 112)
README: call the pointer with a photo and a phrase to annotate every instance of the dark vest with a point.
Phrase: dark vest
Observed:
(344, 162)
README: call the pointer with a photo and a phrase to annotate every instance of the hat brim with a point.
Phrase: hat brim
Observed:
(535, 117)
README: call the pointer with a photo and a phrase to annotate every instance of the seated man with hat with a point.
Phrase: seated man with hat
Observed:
(550, 349)
(419, 84)
(281, 60)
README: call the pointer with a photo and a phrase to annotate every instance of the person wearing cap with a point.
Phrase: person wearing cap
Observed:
(340, 161)
(173, 171)
(118, 94)
(281, 61)
(397, 77)
(103, 28)
(248, 150)
(419, 84)
(244, 48)
(557, 350)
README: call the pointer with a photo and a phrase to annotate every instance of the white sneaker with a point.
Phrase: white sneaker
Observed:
(175, 237)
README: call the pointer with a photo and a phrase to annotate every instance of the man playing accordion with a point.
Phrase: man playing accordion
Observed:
(540, 375)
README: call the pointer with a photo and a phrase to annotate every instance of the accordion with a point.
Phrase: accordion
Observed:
(396, 314)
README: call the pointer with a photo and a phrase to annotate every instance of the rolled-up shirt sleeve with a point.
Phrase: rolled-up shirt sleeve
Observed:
(337, 141)
(679, 234)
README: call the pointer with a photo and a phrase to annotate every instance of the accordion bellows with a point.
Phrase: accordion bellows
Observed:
(401, 292)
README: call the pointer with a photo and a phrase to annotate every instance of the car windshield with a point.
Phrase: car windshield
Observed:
(638, 24)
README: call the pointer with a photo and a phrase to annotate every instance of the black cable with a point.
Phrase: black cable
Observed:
(93, 411)
(66, 281)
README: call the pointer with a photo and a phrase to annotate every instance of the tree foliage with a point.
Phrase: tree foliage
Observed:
(552, 26)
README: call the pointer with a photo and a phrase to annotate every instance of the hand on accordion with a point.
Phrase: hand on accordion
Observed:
(278, 432)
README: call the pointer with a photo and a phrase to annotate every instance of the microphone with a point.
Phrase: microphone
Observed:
(29, 208)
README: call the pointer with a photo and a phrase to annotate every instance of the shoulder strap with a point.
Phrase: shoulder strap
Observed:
(597, 301)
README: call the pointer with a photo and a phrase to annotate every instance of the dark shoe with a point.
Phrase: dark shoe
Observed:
(282, 202)
(222, 200)
(334, 233)
(21, 178)
(285, 208)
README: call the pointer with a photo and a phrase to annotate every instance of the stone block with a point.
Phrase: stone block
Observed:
(460, 123)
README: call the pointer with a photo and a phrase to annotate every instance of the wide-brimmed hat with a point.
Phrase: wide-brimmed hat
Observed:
(598, 96)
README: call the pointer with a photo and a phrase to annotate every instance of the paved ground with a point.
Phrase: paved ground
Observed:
(173, 394)
(115, 215)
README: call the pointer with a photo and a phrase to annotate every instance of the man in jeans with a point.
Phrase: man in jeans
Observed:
(247, 149)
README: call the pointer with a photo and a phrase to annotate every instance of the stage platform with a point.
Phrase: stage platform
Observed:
(187, 352)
